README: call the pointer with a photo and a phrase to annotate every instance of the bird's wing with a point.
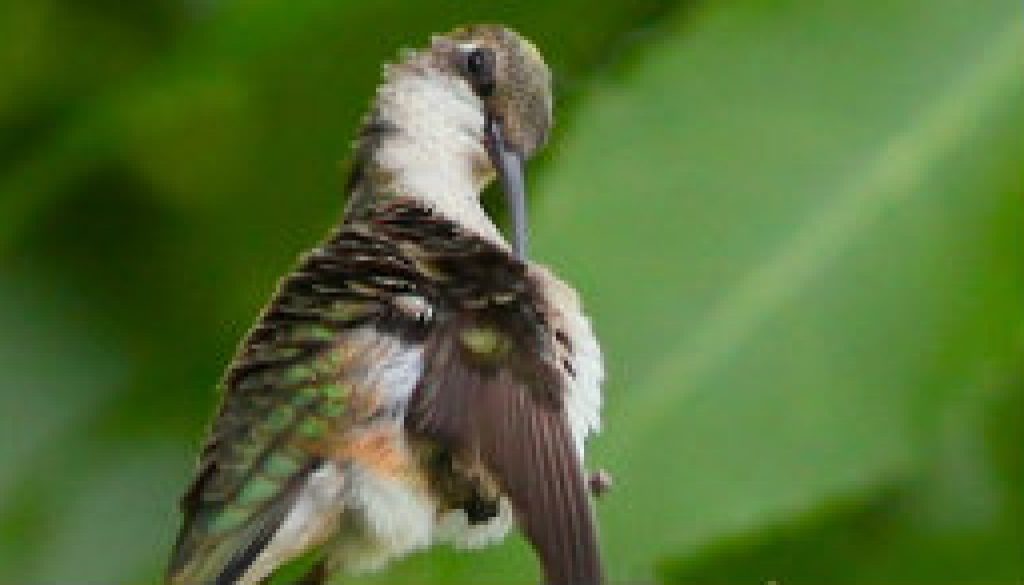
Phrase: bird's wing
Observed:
(306, 374)
(492, 387)
(508, 411)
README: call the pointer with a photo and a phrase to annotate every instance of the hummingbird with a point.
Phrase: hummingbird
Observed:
(416, 379)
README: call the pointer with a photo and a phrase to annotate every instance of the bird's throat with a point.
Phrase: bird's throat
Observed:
(424, 140)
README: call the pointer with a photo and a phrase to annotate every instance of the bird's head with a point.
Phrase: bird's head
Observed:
(509, 76)
(480, 94)
(513, 85)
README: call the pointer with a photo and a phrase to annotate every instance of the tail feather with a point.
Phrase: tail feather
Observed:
(225, 561)
(203, 557)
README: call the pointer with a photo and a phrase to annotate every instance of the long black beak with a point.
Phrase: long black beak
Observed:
(509, 165)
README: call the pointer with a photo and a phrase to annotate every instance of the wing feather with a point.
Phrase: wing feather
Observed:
(288, 389)
(509, 415)
(202, 558)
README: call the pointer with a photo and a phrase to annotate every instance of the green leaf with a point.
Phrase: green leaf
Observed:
(797, 228)
(953, 523)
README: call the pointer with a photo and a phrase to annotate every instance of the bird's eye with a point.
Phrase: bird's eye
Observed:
(479, 70)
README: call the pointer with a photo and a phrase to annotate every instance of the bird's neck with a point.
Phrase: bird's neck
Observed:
(424, 140)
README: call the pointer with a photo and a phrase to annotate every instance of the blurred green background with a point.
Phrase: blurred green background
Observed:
(798, 226)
